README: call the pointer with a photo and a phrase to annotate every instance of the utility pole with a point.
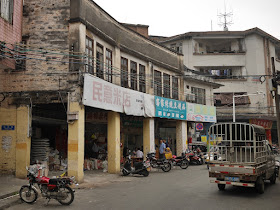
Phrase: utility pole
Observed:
(275, 78)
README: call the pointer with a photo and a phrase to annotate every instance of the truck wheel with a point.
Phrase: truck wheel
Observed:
(273, 178)
(221, 187)
(260, 185)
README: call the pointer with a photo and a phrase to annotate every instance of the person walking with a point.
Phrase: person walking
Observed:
(162, 148)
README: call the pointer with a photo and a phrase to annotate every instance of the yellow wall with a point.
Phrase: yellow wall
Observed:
(8, 150)
(113, 142)
(76, 143)
(23, 144)
(148, 136)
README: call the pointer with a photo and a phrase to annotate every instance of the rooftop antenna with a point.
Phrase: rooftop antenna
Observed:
(225, 19)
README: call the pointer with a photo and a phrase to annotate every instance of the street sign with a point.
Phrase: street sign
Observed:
(7, 127)
(199, 126)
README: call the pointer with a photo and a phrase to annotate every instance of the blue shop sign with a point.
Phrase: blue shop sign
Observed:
(7, 127)
(169, 108)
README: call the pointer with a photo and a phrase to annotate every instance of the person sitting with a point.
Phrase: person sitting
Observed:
(139, 153)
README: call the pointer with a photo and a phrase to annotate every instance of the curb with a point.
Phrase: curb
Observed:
(8, 195)
(9, 201)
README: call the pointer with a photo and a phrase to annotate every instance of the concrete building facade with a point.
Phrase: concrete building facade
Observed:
(82, 74)
(239, 60)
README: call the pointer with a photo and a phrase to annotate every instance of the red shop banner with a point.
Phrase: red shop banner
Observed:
(267, 124)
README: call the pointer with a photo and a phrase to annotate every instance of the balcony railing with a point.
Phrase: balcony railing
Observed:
(220, 53)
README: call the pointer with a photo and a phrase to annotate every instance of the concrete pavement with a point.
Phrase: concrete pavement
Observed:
(177, 189)
(10, 186)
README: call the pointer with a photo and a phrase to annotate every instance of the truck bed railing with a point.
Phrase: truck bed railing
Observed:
(237, 143)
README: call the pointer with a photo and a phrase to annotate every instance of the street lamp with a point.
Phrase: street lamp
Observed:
(233, 102)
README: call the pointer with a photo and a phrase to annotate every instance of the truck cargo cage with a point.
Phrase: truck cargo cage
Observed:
(237, 143)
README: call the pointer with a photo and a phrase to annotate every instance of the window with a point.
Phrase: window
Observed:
(177, 47)
(222, 99)
(99, 61)
(109, 64)
(199, 95)
(124, 72)
(142, 78)
(89, 55)
(166, 85)
(7, 9)
(175, 88)
(157, 83)
(133, 75)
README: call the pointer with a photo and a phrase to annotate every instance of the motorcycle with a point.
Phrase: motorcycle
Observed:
(56, 188)
(139, 168)
(181, 161)
(162, 164)
(195, 159)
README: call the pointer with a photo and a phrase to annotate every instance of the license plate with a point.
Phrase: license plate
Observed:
(232, 179)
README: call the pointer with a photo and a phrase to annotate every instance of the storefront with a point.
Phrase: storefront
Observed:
(49, 136)
(129, 109)
(200, 118)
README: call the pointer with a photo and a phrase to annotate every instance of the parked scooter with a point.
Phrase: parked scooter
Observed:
(182, 161)
(162, 164)
(139, 168)
(57, 188)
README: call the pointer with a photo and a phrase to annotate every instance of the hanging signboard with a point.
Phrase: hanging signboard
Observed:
(169, 108)
(105, 95)
(201, 113)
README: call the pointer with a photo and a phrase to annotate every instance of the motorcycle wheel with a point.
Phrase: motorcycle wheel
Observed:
(166, 167)
(68, 196)
(125, 173)
(145, 173)
(184, 164)
(28, 194)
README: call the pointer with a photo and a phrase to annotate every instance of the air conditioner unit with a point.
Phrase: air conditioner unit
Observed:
(190, 97)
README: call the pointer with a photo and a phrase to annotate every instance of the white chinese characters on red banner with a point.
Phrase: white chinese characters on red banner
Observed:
(267, 124)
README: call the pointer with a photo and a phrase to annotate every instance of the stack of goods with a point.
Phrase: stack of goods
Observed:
(54, 161)
(39, 150)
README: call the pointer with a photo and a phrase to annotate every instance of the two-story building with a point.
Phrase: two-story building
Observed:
(10, 34)
(88, 78)
(241, 61)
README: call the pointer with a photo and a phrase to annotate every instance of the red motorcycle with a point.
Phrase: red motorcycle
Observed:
(57, 188)
(195, 158)
(182, 161)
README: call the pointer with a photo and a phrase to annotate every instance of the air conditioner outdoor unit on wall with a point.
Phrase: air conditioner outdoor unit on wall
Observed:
(190, 97)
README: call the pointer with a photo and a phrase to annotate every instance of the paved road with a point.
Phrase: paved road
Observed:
(177, 189)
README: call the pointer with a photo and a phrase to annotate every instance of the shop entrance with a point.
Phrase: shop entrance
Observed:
(166, 130)
(49, 136)
(95, 139)
(131, 135)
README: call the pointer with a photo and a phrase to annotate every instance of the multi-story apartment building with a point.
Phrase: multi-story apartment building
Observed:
(242, 62)
(87, 77)
(10, 34)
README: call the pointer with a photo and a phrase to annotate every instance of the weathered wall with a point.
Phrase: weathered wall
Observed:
(11, 33)
(45, 25)
(8, 141)
(102, 24)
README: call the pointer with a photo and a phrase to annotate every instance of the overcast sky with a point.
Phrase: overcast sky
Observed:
(172, 17)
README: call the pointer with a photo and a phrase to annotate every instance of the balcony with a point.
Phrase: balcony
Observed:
(219, 59)
(219, 52)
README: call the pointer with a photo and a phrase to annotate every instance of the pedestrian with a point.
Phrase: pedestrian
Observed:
(139, 153)
(162, 148)
(95, 150)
